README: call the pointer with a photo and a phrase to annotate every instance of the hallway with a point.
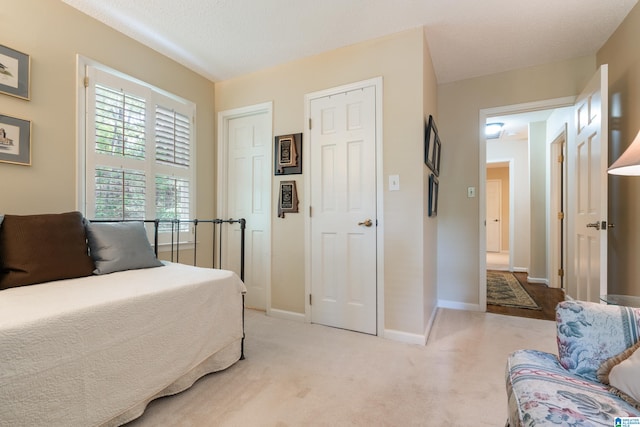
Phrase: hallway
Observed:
(498, 261)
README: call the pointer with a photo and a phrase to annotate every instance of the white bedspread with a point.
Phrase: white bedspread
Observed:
(80, 352)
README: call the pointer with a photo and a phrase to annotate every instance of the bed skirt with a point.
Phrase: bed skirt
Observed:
(216, 362)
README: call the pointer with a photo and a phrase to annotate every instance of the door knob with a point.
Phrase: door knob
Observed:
(366, 223)
(595, 225)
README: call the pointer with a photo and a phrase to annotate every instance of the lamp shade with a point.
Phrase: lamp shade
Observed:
(629, 162)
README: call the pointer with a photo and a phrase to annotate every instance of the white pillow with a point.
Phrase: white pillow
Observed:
(625, 376)
(117, 246)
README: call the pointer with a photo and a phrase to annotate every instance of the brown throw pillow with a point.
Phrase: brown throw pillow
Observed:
(42, 248)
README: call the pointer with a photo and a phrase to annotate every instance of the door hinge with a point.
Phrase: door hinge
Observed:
(86, 81)
(561, 158)
(310, 211)
(561, 272)
(560, 215)
(309, 123)
(310, 299)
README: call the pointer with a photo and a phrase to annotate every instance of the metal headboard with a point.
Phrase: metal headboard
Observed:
(216, 241)
(216, 237)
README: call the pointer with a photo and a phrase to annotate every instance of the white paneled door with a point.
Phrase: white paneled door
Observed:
(588, 191)
(494, 214)
(343, 210)
(248, 195)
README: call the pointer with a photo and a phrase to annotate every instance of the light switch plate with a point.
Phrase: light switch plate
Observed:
(394, 182)
(471, 192)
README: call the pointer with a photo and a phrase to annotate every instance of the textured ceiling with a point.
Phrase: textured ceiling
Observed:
(222, 39)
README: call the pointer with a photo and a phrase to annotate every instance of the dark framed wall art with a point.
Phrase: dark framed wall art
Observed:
(15, 68)
(432, 146)
(288, 154)
(287, 198)
(15, 140)
(433, 195)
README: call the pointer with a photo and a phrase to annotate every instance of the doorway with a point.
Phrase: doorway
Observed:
(525, 218)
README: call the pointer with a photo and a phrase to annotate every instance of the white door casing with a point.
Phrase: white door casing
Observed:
(587, 176)
(494, 215)
(556, 256)
(342, 228)
(244, 191)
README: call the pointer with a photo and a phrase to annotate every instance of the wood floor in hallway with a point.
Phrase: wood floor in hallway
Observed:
(545, 297)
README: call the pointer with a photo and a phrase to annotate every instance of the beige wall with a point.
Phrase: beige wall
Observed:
(502, 174)
(459, 104)
(430, 226)
(52, 33)
(408, 94)
(538, 192)
(623, 56)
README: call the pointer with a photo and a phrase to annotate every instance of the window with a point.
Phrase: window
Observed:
(139, 150)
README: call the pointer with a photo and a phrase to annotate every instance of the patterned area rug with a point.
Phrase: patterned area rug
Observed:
(505, 290)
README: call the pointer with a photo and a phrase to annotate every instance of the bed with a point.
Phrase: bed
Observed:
(94, 350)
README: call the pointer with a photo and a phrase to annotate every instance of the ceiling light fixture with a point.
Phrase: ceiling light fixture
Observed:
(493, 130)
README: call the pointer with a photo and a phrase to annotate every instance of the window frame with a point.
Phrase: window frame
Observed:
(88, 73)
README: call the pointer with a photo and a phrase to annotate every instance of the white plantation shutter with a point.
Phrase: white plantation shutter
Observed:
(173, 135)
(119, 194)
(172, 199)
(138, 151)
(120, 120)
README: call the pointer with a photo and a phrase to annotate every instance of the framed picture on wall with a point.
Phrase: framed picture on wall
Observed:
(15, 68)
(435, 155)
(15, 140)
(433, 195)
(288, 154)
(287, 198)
(432, 146)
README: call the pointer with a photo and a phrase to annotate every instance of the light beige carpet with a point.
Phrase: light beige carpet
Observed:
(298, 374)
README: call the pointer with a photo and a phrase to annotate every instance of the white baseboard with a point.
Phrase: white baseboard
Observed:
(537, 280)
(404, 337)
(390, 334)
(287, 315)
(455, 305)
(520, 269)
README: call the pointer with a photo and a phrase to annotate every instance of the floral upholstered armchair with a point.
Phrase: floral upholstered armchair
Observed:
(595, 378)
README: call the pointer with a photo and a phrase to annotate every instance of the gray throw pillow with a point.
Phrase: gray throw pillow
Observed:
(118, 246)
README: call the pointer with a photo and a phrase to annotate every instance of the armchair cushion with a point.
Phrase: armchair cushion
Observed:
(588, 334)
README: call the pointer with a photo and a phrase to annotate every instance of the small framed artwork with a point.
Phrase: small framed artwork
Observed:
(287, 198)
(15, 68)
(288, 154)
(433, 196)
(15, 140)
(432, 146)
(436, 155)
